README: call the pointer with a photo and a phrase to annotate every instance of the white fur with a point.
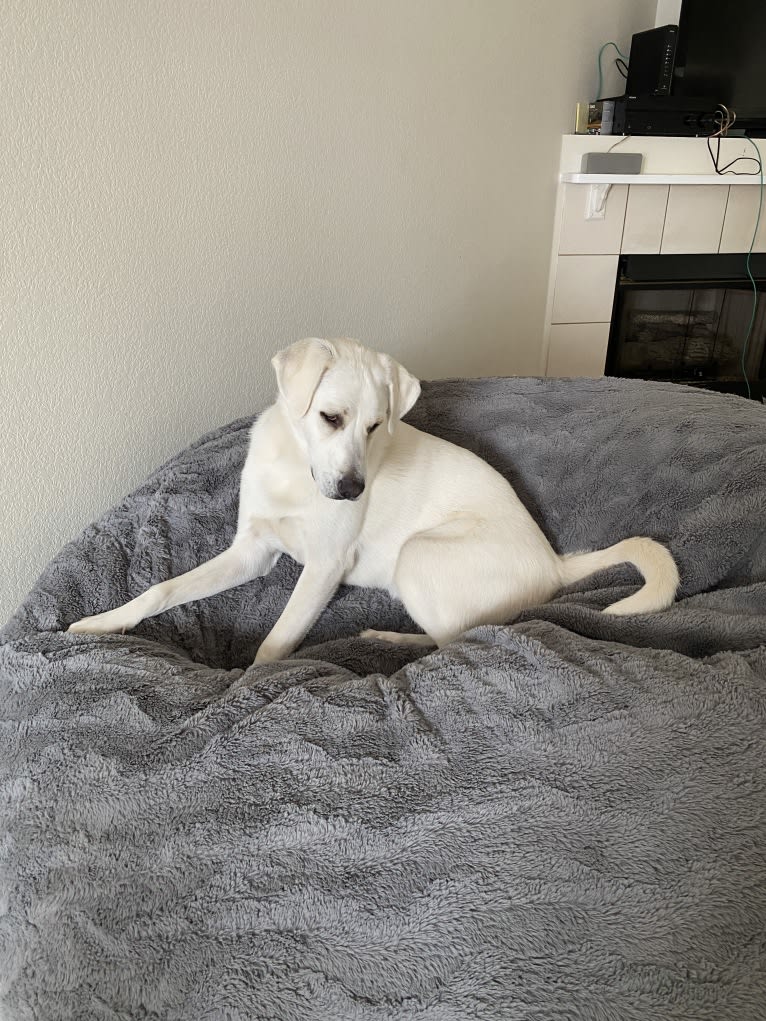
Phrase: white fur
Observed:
(435, 525)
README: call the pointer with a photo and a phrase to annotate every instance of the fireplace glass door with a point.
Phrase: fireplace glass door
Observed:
(686, 318)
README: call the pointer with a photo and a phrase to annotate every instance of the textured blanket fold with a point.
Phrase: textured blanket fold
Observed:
(560, 818)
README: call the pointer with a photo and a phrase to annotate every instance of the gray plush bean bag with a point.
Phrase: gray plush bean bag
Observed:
(561, 818)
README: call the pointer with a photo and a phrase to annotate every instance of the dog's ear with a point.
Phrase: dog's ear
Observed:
(299, 369)
(403, 391)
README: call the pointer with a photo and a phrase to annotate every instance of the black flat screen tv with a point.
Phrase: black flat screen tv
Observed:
(721, 56)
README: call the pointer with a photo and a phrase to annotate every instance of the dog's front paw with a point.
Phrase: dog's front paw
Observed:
(111, 622)
(268, 654)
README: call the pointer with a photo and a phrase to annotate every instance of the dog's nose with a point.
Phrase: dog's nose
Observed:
(350, 487)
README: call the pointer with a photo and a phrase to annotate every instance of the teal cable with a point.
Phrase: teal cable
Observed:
(749, 273)
(600, 72)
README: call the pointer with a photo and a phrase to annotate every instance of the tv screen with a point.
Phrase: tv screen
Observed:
(721, 55)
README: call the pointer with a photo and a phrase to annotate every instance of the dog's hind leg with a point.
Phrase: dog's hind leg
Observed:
(454, 577)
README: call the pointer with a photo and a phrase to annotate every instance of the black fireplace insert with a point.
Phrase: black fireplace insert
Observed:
(692, 319)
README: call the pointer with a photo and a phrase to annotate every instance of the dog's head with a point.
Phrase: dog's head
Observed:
(342, 400)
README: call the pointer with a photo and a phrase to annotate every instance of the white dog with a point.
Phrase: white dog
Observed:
(333, 478)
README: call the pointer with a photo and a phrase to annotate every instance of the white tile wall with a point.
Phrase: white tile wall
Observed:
(577, 349)
(694, 218)
(644, 219)
(584, 289)
(592, 237)
(739, 224)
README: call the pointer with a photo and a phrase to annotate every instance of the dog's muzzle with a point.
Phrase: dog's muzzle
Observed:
(350, 487)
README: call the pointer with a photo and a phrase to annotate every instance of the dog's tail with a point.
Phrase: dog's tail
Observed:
(653, 561)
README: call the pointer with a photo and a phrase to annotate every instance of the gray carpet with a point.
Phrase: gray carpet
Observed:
(564, 818)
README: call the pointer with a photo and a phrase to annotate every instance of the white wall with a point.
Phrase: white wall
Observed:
(668, 12)
(188, 186)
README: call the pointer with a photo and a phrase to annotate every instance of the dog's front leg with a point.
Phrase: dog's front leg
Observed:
(315, 588)
(250, 555)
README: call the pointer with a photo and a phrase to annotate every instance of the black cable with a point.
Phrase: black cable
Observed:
(622, 67)
(725, 169)
(724, 118)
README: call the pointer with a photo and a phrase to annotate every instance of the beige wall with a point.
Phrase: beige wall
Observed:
(186, 187)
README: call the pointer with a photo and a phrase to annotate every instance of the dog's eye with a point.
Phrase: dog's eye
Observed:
(333, 420)
(373, 428)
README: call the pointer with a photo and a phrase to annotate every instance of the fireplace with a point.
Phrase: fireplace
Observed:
(684, 318)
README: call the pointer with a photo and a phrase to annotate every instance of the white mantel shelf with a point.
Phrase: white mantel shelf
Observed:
(726, 179)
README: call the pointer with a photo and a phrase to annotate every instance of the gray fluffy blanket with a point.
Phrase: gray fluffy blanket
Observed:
(562, 818)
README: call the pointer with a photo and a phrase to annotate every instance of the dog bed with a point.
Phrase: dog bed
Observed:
(564, 817)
